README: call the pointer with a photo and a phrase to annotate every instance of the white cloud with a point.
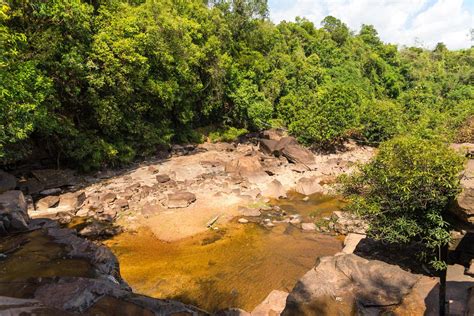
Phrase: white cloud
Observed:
(404, 22)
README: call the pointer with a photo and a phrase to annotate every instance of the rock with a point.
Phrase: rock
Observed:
(99, 229)
(47, 202)
(273, 304)
(31, 186)
(248, 167)
(269, 146)
(470, 270)
(465, 201)
(351, 241)
(232, 312)
(308, 227)
(52, 178)
(17, 306)
(162, 178)
(108, 197)
(13, 211)
(275, 190)
(249, 212)
(52, 191)
(180, 199)
(470, 302)
(273, 134)
(7, 182)
(464, 148)
(347, 285)
(346, 222)
(71, 201)
(299, 154)
(308, 186)
(243, 221)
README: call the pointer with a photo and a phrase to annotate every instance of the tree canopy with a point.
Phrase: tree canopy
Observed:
(102, 82)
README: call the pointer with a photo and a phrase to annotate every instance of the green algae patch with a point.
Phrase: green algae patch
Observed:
(235, 266)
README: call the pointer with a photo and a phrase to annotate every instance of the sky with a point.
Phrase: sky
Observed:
(404, 22)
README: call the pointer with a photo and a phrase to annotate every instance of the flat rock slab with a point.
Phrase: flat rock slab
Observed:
(180, 199)
(51, 178)
(249, 212)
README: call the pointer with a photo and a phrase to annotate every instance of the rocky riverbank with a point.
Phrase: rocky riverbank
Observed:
(183, 193)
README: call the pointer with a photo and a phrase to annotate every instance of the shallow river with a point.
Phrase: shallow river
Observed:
(237, 265)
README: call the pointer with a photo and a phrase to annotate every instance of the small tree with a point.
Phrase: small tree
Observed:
(405, 190)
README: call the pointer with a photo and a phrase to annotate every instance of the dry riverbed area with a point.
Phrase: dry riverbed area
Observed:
(214, 226)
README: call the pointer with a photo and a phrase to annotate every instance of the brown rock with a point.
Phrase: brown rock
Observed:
(249, 212)
(465, 201)
(299, 154)
(71, 201)
(180, 199)
(248, 167)
(274, 134)
(52, 178)
(344, 284)
(7, 182)
(13, 211)
(308, 186)
(275, 190)
(269, 146)
(273, 304)
(108, 197)
(162, 178)
(47, 202)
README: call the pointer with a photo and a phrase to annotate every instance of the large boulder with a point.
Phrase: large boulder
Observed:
(248, 167)
(52, 178)
(344, 284)
(180, 199)
(13, 212)
(274, 190)
(289, 148)
(309, 185)
(465, 201)
(7, 182)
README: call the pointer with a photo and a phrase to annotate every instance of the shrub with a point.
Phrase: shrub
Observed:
(405, 191)
(381, 120)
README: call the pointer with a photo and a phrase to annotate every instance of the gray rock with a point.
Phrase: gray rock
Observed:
(7, 182)
(52, 178)
(180, 199)
(72, 201)
(14, 211)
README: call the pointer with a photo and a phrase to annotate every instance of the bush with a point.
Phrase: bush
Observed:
(405, 191)
(381, 120)
(227, 134)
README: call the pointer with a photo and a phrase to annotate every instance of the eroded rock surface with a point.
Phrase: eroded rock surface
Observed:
(344, 284)
(465, 201)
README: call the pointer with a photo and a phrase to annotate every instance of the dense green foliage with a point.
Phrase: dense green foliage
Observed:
(102, 82)
(404, 192)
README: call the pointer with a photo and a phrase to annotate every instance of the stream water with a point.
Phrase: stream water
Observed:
(237, 265)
